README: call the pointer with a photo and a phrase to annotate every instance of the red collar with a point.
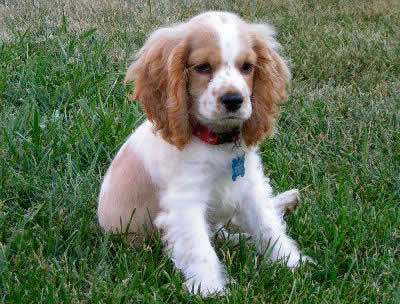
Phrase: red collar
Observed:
(209, 136)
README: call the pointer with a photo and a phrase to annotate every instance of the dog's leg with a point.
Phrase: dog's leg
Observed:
(186, 236)
(258, 214)
(285, 203)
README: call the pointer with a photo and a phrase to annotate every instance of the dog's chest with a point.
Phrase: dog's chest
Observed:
(224, 198)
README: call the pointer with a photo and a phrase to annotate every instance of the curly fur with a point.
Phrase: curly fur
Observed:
(270, 80)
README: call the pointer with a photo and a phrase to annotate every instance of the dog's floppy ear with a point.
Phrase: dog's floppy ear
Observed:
(271, 76)
(160, 76)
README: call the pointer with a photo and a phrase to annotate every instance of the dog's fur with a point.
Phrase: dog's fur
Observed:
(183, 184)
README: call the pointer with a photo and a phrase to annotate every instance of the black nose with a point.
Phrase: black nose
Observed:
(232, 101)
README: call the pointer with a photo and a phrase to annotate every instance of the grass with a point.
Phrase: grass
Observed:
(63, 115)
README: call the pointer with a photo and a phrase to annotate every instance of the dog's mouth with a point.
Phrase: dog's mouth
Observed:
(230, 117)
(229, 122)
(220, 124)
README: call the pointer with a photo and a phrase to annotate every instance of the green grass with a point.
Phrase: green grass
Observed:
(63, 115)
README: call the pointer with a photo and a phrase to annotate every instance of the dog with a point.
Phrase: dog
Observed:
(210, 88)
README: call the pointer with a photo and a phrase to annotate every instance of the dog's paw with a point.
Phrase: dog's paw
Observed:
(287, 201)
(292, 199)
(298, 260)
(307, 259)
(206, 288)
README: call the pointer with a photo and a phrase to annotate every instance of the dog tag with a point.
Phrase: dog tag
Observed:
(238, 167)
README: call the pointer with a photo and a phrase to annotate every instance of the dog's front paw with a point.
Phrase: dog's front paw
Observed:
(206, 287)
(296, 260)
(307, 259)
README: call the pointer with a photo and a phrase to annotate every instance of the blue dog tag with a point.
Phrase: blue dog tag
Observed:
(238, 167)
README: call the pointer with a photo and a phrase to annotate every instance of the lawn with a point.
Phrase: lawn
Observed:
(64, 114)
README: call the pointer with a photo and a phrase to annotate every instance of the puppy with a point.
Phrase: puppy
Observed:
(210, 88)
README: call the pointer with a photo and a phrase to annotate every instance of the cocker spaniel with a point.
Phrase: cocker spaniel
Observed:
(210, 88)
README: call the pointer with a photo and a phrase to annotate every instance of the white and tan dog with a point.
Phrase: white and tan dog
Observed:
(210, 88)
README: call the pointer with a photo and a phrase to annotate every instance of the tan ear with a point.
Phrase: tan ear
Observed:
(271, 76)
(160, 84)
(178, 99)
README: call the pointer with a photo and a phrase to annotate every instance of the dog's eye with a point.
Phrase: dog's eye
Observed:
(204, 68)
(246, 68)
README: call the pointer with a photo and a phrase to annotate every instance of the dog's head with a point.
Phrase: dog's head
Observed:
(216, 70)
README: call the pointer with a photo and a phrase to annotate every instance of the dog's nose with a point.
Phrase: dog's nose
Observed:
(232, 101)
